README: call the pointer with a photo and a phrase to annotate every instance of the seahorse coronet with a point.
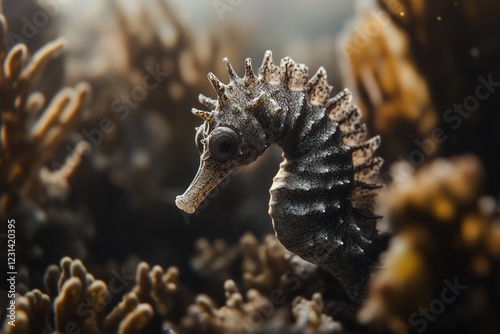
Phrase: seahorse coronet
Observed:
(322, 198)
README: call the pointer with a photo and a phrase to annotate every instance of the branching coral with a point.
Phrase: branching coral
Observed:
(31, 132)
(156, 286)
(236, 316)
(74, 300)
(213, 260)
(258, 314)
(81, 302)
(276, 279)
(269, 265)
(445, 253)
(309, 318)
(266, 265)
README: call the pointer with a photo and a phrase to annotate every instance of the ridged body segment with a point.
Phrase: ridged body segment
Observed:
(310, 202)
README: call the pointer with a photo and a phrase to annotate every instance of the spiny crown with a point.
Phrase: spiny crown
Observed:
(250, 90)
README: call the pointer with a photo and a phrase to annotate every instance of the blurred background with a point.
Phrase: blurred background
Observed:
(98, 139)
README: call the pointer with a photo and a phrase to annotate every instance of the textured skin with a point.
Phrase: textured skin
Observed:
(322, 197)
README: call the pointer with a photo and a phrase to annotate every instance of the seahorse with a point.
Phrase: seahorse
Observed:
(321, 200)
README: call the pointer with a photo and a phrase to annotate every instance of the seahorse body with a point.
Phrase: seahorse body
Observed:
(322, 197)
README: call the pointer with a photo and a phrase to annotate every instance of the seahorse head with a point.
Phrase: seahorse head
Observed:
(235, 132)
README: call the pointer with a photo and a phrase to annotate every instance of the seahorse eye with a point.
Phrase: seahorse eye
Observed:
(198, 138)
(222, 143)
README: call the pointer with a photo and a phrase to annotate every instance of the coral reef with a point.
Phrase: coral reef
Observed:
(82, 303)
(257, 314)
(153, 300)
(35, 176)
(34, 182)
(444, 255)
(269, 265)
(214, 260)
(79, 222)
(236, 316)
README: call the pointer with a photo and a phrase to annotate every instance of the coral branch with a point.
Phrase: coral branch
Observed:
(29, 140)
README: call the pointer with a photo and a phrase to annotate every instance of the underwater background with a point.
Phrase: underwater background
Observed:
(97, 140)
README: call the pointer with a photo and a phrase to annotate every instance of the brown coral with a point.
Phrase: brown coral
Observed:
(152, 298)
(269, 266)
(213, 260)
(82, 303)
(445, 237)
(32, 131)
(258, 314)
(239, 315)
(309, 318)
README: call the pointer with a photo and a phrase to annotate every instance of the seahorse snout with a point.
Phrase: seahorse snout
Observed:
(183, 204)
(209, 175)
